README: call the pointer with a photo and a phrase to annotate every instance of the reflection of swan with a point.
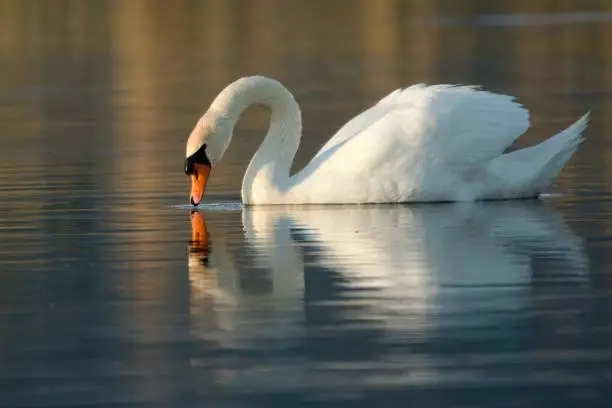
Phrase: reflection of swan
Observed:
(424, 143)
(409, 257)
(352, 282)
(220, 289)
(208, 294)
(200, 275)
(216, 277)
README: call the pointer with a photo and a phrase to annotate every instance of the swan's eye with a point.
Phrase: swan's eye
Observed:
(199, 157)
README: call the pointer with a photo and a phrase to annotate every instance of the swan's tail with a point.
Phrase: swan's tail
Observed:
(561, 147)
(527, 172)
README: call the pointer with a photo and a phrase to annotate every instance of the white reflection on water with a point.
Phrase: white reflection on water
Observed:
(403, 274)
(411, 254)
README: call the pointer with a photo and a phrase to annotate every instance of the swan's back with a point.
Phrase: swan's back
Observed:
(422, 143)
(459, 125)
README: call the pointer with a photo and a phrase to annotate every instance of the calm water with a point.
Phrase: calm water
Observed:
(113, 294)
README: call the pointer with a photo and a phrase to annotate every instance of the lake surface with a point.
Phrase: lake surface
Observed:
(113, 293)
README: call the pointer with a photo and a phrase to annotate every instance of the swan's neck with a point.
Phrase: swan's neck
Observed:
(267, 176)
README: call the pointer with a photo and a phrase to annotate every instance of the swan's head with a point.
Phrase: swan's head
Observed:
(205, 147)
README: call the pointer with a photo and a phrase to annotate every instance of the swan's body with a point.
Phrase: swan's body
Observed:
(420, 144)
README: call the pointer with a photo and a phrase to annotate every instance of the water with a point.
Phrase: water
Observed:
(114, 293)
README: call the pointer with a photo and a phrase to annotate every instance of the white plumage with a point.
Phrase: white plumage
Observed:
(423, 143)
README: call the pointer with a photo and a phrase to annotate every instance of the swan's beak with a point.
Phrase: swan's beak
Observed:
(199, 178)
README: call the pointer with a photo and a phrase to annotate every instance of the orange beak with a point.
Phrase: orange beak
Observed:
(199, 178)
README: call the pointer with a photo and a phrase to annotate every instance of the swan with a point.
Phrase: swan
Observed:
(424, 143)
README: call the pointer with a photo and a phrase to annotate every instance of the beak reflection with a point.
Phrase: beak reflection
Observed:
(199, 245)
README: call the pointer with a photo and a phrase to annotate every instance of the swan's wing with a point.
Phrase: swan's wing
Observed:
(443, 127)
(365, 120)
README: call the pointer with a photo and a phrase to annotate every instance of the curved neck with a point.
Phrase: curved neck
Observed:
(267, 176)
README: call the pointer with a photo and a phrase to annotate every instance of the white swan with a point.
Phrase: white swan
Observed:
(423, 143)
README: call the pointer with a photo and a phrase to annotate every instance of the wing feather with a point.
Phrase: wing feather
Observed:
(468, 127)
(365, 120)
(461, 128)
